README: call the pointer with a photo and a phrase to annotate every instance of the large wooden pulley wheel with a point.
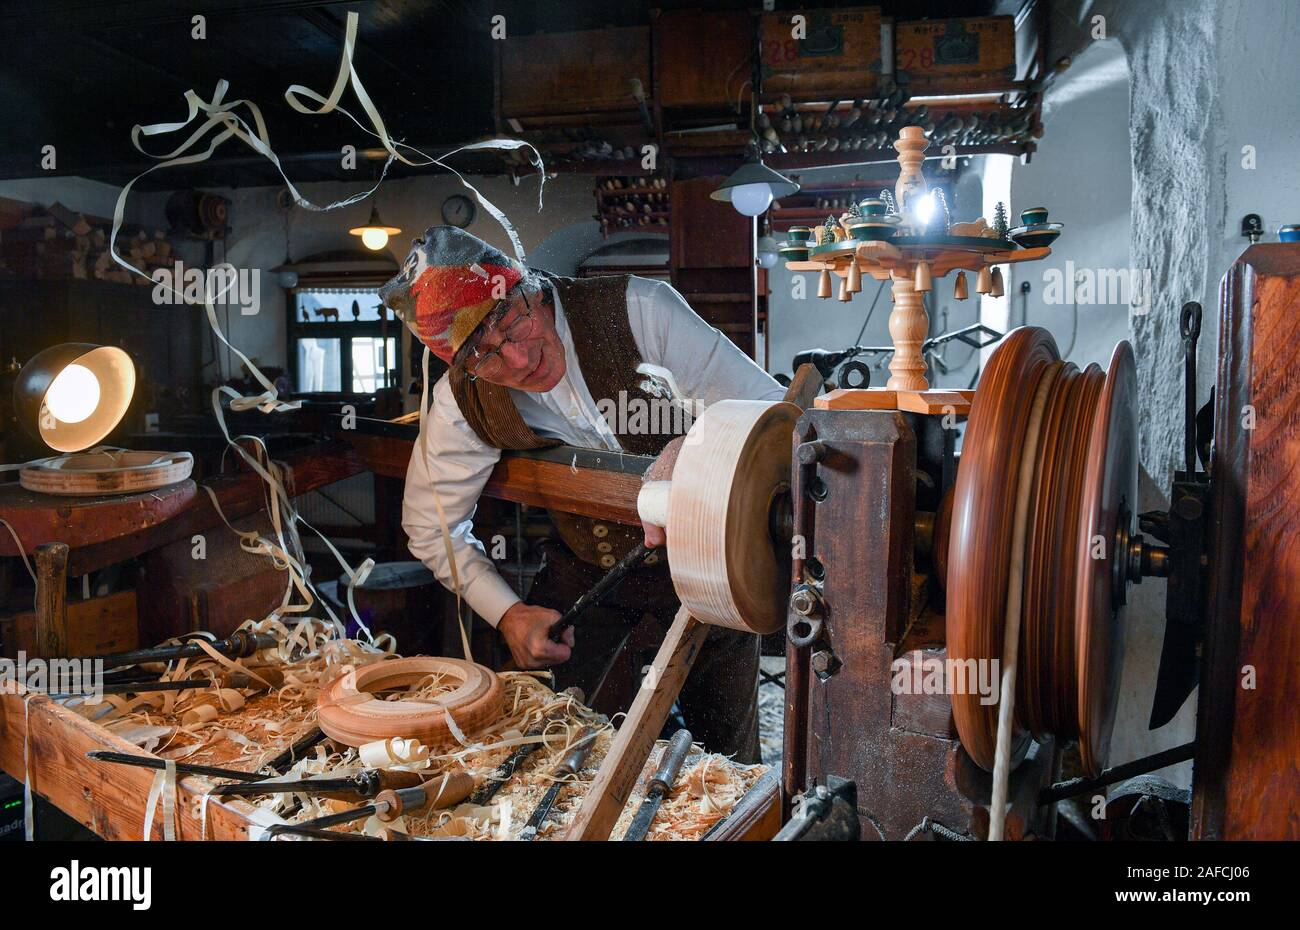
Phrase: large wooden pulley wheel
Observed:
(1048, 468)
(352, 710)
(728, 483)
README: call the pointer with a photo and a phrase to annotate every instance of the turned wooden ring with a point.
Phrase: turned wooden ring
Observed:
(348, 713)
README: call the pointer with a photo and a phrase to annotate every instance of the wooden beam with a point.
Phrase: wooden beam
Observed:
(51, 599)
(636, 737)
(540, 482)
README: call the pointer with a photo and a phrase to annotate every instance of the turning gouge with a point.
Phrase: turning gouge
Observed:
(661, 783)
(570, 765)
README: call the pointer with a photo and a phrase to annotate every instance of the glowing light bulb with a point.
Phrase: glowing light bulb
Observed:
(374, 239)
(751, 199)
(924, 209)
(73, 394)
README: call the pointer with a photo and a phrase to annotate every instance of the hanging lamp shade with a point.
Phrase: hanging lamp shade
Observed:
(374, 234)
(70, 396)
(753, 186)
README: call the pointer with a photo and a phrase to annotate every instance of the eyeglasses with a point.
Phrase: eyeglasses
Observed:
(489, 364)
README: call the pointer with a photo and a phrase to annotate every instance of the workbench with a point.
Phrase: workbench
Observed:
(47, 742)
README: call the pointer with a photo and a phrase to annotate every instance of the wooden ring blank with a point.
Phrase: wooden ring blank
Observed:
(84, 474)
(347, 716)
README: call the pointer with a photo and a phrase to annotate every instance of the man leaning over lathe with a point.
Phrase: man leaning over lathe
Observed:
(532, 356)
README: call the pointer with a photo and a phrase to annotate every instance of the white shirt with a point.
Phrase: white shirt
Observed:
(450, 458)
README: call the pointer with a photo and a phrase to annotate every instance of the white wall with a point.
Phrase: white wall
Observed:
(1081, 173)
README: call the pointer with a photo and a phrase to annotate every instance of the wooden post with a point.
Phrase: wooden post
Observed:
(51, 599)
(636, 737)
(908, 325)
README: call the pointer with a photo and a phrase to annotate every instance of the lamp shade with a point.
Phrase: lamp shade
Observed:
(374, 235)
(70, 396)
(753, 186)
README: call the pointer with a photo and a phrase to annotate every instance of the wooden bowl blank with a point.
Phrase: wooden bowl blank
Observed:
(726, 568)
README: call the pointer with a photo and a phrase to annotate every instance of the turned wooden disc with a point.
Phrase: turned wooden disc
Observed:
(349, 714)
(979, 545)
(1109, 497)
(726, 568)
(119, 471)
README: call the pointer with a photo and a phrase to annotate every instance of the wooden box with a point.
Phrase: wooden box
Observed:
(702, 59)
(956, 55)
(573, 72)
(839, 57)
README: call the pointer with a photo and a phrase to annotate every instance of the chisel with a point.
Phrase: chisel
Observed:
(367, 784)
(506, 770)
(602, 587)
(436, 793)
(571, 764)
(661, 783)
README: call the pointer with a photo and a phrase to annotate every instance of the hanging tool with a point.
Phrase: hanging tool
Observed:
(569, 766)
(602, 587)
(388, 805)
(661, 784)
(240, 645)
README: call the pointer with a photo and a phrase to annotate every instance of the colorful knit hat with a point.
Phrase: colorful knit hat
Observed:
(451, 280)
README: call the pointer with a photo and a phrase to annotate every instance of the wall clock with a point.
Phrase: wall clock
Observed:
(458, 210)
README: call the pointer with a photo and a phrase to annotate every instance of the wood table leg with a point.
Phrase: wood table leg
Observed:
(52, 599)
(636, 737)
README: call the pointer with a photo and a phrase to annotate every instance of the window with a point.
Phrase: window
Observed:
(342, 341)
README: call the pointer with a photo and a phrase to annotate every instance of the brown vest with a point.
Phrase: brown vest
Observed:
(596, 311)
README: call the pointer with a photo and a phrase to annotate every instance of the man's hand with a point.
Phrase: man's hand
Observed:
(524, 627)
(654, 535)
(661, 469)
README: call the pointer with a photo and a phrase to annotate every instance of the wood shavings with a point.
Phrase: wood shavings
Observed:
(709, 787)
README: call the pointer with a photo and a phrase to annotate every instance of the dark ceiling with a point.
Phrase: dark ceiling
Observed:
(78, 74)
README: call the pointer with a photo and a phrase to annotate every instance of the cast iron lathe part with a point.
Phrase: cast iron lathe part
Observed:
(1185, 528)
(1077, 786)
(826, 812)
